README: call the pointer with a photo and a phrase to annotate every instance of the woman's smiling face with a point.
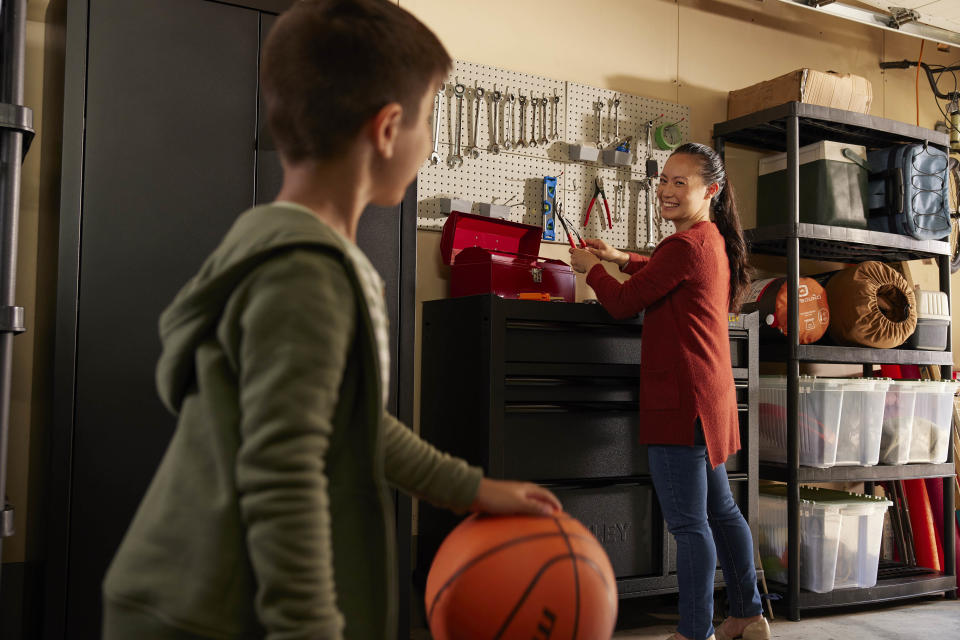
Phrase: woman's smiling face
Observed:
(684, 198)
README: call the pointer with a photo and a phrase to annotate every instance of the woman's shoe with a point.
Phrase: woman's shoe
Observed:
(758, 630)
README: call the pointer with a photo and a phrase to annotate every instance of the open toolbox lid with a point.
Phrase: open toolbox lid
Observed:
(464, 230)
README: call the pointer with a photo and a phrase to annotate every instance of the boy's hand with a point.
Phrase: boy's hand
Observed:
(504, 497)
(602, 250)
(582, 260)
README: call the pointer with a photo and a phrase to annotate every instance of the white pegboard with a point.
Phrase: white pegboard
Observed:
(516, 175)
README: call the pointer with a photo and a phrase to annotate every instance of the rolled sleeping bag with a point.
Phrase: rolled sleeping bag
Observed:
(769, 297)
(871, 306)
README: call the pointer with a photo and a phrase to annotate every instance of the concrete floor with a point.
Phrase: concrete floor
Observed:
(919, 619)
(931, 618)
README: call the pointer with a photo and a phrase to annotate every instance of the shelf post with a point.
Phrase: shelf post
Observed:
(793, 369)
(949, 515)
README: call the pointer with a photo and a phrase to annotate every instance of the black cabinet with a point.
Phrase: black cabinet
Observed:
(548, 392)
(162, 150)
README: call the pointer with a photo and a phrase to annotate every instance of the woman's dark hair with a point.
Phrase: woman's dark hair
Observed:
(723, 206)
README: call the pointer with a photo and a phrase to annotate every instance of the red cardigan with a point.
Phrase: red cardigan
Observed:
(685, 368)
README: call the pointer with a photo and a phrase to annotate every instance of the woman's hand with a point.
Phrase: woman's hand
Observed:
(504, 497)
(582, 260)
(602, 250)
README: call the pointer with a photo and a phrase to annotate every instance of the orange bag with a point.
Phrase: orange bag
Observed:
(872, 306)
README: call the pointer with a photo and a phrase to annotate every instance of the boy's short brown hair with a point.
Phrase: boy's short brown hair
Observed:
(328, 66)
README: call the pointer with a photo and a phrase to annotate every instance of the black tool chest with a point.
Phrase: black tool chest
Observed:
(548, 392)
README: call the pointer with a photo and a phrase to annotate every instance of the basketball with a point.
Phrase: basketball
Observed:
(523, 578)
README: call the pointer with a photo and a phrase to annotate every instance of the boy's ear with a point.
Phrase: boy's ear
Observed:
(385, 127)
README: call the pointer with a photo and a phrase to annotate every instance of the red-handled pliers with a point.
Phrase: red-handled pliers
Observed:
(567, 227)
(598, 191)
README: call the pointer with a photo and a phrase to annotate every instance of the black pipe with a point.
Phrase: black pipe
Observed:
(12, 131)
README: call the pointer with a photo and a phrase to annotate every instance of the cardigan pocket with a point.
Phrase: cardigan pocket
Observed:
(659, 389)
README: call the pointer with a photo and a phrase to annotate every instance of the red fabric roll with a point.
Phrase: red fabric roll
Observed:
(935, 496)
(921, 520)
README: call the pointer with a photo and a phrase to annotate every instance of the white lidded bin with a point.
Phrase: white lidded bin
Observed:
(819, 404)
(861, 421)
(840, 536)
(898, 421)
(932, 416)
(819, 539)
(933, 321)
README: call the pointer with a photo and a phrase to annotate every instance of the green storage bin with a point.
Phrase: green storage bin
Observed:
(833, 186)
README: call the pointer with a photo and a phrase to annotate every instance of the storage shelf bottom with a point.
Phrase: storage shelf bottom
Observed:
(892, 588)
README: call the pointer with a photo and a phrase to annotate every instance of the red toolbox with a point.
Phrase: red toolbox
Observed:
(488, 255)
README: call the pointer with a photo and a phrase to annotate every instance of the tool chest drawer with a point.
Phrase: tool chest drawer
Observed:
(549, 392)
(552, 444)
(622, 517)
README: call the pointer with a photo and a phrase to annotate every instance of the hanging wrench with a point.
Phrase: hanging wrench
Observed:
(533, 121)
(521, 141)
(653, 174)
(599, 105)
(456, 160)
(495, 133)
(477, 99)
(616, 119)
(543, 120)
(556, 109)
(435, 156)
(508, 138)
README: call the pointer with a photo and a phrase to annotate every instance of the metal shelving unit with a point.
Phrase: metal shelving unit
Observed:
(787, 128)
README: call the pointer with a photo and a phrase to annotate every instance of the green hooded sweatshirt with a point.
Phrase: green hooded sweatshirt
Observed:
(269, 514)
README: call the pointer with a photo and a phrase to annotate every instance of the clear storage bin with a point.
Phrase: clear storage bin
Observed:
(933, 413)
(819, 538)
(861, 420)
(840, 535)
(819, 404)
(898, 421)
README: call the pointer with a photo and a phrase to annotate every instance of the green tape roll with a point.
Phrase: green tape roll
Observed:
(667, 137)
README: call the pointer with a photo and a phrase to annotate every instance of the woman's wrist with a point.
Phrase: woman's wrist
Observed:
(622, 259)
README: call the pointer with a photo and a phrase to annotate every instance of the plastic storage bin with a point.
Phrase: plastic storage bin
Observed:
(840, 535)
(861, 420)
(819, 539)
(833, 187)
(932, 416)
(898, 421)
(933, 321)
(819, 404)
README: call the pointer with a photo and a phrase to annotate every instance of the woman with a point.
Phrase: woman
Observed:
(687, 398)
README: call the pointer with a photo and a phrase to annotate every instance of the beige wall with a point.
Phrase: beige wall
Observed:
(688, 51)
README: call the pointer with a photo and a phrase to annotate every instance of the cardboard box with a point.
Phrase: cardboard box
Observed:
(825, 88)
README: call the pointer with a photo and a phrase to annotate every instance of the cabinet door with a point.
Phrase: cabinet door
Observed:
(169, 163)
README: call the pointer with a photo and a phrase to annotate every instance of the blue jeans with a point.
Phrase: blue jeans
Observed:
(696, 502)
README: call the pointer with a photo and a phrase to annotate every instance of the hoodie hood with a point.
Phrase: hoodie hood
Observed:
(256, 236)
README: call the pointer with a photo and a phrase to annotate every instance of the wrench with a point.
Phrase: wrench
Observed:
(521, 141)
(456, 160)
(477, 99)
(495, 134)
(616, 119)
(435, 156)
(599, 106)
(508, 138)
(556, 108)
(543, 120)
(533, 122)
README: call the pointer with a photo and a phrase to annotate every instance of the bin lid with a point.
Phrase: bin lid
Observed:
(807, 383)
(463, 230)
(932, 305)
(823, 150)
(832, 497)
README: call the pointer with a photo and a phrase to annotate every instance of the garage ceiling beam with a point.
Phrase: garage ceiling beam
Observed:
(900, 22)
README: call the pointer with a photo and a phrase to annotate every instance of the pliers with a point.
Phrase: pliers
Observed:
(567, 227)
(598, 191)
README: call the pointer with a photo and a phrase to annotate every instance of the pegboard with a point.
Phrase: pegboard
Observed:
(515, 176)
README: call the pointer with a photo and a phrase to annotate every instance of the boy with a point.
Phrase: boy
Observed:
(268, 515)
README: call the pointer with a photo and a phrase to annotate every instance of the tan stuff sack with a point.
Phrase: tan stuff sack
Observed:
(873, 306)
(769, 297)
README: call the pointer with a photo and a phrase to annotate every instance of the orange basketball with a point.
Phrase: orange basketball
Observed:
(521, 577)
